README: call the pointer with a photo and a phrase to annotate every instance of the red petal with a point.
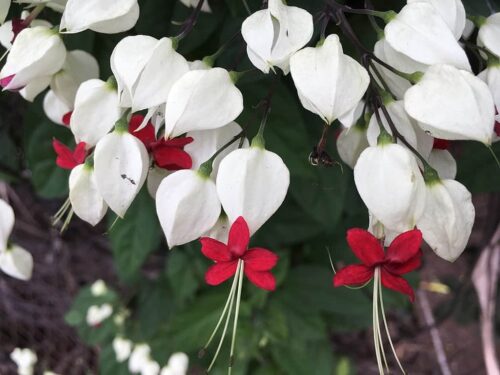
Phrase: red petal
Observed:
(408, 266)
(172, 158)
(146, 135)
(66, 119)
(65, 158)
(404, 247)
(215, 250)
(261, 279)
(259, 259)
(220, 272)
(497, 128)
(4, 82)
(80, 152)
(177, 142)
(441, 144)
(365, 246)
(396, 283)
(239, 237)
(355, 274)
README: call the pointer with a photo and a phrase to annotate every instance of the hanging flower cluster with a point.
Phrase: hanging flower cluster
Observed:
(169, 123)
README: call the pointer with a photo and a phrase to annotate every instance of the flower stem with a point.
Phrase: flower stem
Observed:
(188, 24)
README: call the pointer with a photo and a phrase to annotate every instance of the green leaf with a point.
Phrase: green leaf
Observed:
(135, 236)
(477, 168)
(183, 273)
(108, 364)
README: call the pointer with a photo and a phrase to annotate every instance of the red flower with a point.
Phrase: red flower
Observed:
(167, 154)
(66, 119)
(441, 144)
(257, 261)
(402, 256)
(67, 159)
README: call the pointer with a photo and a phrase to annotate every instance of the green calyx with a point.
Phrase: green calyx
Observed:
(111, 83)
(431, 177)
(386, 98)
(477, 20)
(205, 169)
(388, 16)
(121, 126)
(259, 142)
(384, 138)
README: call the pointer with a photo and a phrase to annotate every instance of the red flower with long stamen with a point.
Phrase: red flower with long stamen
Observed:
(403, 255)
(168, 154)
(67, 158)
(258, 262)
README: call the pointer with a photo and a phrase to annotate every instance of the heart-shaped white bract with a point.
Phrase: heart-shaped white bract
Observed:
(102, 16)
(97, 314)
(122, 348)
(274, 34)
(489, 34)
(54, 108)
(391, 186)
(7, 219)
(37, 52)
(351, 142)
(202, 100)
(80, 66)
(329, 83)
(446, 223)
(177, 364)
(35, 87)
(208, 142)
(16, 262)
(451, 11)
(84, 196)
(405, 125)
(187, 206)
(146, 69)
(252, 183)
(420, 33)
(444, 163)
(121, 164)
(452, 104)
(96, 111)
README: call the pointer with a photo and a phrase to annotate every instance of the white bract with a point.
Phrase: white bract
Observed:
(35, 87)
(452, 104)
(208, 142)
(491, 76)
(7, 35)
(419, 32)
(187, 206)
(96, 111)
(97, 314)
(7, 219)
(351, 143)
(102, 16)
(146, 69)
(336, 84)
(85, 198)
(155, 177)
(489, 34)
(121, 165)
(25, 359)
(140, 361)
(274, 34)
(390, 183)
(122, 348)
(448, 217)
(451, 11)
(98, 288)
(202, 100)
(177, 365)
(55, 108)
(252, 183)
(57, 5)
(444, 163)
(4, 9)
(37, 52)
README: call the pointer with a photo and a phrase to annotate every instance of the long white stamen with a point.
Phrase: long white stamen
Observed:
(376, 323)
(379, 332)
(241, 266)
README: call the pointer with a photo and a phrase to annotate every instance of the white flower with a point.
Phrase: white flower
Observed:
(336, 84)
(208, 142)
(4, 9)
(444, 163)
(37, 52)
(351, 143)
(85, 198)
(179, 363)
(55, 109)
(146, 69)
(192, 4)
(491, 76)
(139, 359)
(390, 184)
(6, 33)
(155, 177)
(202, 100)
(274, 34)
(96, 111)
(121, 165)
(35, 87)
(252, 183)
(122, 348)
(16, 262)
(489, 34)
(102, 16)
(452, 104)
(419, 32)
(25, 359)
(98, 288)
(447, 220)
(97, 314)
(187, 206)
(451, 11)
(7, 219)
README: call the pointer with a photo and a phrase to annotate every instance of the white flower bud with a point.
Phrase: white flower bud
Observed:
(252, 183)
(179, 363)
(448, 217)
(274, 34)
(102, 16)
(202, 100)
(444, 164)
(96, 111)
(122, 348)
(452, 104)
(336, 84)
(187, 206)
(37, 52)
(139, 357)
(97, 314)
(84, 196)
(121, 165)
(489, 34)
(351, 143)
(98, 288)
(55, 108)
(25, 359)
(419, 32)
(391, 186)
